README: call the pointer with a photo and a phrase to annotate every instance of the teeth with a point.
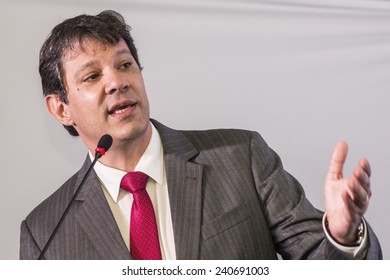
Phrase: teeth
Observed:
(119, 111)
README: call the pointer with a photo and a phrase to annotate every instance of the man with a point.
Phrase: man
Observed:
(218, 194)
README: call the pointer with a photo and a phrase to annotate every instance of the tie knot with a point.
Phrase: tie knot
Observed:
(134, 181)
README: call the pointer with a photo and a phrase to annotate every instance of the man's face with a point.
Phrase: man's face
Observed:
(106, 92)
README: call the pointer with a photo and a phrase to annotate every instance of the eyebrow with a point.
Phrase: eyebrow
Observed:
(123, 51)
(84, 66)
(93, 62)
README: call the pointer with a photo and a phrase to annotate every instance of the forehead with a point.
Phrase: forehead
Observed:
(91, 48)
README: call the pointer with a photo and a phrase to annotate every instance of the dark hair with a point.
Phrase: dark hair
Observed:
(108, 27)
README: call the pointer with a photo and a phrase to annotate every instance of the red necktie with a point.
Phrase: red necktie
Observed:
(144, 243)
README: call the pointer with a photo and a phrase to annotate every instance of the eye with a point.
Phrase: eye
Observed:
(125, 65)
(92, 77)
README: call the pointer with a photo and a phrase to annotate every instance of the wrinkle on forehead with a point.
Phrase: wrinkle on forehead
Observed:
(85, 45)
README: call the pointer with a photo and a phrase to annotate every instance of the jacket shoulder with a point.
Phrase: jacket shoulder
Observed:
(49, 210)
(236, 139)
(219, 136)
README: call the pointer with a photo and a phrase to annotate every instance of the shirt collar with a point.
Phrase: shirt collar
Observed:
(151, 163)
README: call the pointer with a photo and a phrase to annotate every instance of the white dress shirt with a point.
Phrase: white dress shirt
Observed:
(120, 201)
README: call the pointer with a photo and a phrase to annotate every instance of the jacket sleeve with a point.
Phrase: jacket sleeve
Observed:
(296, 226)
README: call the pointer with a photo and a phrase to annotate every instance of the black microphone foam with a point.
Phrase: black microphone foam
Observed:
(105, 142)
(103, 145)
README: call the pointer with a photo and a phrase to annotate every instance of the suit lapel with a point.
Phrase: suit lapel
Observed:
(185, 191)
(95, 218)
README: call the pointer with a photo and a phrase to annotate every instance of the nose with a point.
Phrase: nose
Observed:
(116, 82)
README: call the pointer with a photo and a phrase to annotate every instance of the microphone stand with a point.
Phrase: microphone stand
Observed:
(98, 155)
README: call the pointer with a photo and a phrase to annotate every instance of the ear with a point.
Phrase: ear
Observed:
(59, 109)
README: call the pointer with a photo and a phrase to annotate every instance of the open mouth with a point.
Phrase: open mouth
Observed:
(121, 108)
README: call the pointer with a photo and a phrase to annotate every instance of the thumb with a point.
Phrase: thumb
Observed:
(337, 161)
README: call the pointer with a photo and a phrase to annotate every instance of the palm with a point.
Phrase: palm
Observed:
(346, 200)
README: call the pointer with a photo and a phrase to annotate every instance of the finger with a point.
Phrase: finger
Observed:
(358, 195)
(365, 166)
(363, 179)
(337, 161)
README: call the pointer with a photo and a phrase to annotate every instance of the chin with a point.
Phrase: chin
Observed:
(132, 132)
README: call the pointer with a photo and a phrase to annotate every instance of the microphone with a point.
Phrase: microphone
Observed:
(103, 145)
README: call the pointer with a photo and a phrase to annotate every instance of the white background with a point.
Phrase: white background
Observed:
(305, 74)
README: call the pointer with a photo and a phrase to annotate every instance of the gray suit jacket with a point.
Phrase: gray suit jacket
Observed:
(230, 199)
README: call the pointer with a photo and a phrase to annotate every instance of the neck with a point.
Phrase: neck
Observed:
(125, 154)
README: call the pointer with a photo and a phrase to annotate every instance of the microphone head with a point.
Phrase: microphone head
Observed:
(103, 145)
(105, 142)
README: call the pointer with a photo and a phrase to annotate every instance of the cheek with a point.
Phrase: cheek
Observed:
(139, 87)
(84, 104)
(84, 97)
